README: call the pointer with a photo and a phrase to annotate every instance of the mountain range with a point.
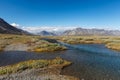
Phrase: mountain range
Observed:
(97, 32)
(6, 28)
(81, 32)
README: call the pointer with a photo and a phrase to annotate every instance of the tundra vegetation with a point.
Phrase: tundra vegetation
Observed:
(36, 70)
(37, 44)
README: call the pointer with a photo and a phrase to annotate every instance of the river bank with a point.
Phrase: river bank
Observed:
(36, 70)
(37, 74)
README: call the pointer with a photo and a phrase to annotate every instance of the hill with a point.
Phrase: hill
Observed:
(6, 28)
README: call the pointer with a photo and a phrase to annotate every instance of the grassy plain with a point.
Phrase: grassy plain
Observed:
(34, 43)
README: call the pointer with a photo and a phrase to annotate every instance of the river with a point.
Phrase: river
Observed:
(90, 61)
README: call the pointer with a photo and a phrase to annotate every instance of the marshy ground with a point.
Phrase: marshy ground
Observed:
(111, 42)
(45, 69)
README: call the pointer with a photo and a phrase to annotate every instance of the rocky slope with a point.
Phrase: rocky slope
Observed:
(6, 28)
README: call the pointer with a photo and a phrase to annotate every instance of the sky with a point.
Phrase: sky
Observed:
(62, 13)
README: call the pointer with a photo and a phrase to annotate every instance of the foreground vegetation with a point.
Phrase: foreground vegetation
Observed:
(36, 70)
(33, 64)
(33, 43)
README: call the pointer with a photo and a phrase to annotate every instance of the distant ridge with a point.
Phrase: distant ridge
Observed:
(46, 33)
(97, 32)
(6, 28)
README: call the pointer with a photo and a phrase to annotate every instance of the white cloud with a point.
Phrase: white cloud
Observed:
(50, 29)
(57, 28)
(43, 28)
(15, 25)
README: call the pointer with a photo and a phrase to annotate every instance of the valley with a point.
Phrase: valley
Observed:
(48, 56)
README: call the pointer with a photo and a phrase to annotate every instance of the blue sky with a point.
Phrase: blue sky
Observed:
(85, 13)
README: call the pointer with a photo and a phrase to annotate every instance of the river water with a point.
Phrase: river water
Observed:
(90, 61)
